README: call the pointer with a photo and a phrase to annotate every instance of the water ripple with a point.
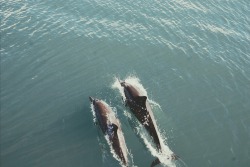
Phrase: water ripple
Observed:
(49, 50)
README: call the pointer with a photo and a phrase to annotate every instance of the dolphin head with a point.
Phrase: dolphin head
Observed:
(123, 83)
(92, 100)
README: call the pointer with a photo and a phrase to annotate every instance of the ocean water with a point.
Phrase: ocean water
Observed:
(192, 58)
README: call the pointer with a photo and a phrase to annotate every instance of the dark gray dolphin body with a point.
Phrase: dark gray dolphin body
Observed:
(110, 126)
(139, 105)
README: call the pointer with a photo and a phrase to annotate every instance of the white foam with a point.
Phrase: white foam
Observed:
(165, 155)
(117, 85)
(154, 104)
(93, 112)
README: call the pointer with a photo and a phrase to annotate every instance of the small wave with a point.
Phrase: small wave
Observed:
(103, 148)
(154, 104)
(93, 112)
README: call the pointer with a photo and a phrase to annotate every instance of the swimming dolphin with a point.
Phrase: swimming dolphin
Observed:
(110, 126)
(140, 107)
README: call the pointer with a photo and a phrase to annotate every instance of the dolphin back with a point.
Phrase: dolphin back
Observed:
(141, 101)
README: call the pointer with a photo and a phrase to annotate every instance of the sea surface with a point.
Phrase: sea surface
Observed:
(192, 58)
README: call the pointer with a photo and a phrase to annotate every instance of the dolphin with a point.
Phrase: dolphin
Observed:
(140, 107)
(110, 126)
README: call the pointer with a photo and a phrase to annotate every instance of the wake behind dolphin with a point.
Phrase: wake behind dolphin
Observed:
(135, 96)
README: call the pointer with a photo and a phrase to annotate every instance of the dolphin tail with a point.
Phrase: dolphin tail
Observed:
(155, 162)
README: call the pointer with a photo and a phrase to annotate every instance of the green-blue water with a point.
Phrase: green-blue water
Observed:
(192, 57)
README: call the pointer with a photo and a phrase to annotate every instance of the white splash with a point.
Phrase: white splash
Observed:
(154, 104)
(117, 85)
(93, 112)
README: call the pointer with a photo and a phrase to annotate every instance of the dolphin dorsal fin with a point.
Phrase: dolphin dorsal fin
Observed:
(141, 100)
(112, 129)
(115, 127)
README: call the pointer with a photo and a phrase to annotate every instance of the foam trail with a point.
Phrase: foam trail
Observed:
(117, 85)
(154, 104)
(166, 153)
(103, 148)
(93, 112)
